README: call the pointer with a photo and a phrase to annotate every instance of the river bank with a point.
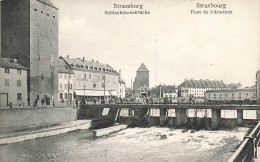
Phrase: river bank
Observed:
(132, 144)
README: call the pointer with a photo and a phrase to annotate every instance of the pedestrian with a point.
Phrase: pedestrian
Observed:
(77, 103)
(42, 101)
(35, 102)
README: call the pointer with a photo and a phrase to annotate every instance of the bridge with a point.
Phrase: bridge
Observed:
(142, 111)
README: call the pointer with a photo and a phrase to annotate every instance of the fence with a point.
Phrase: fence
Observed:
(248, 149)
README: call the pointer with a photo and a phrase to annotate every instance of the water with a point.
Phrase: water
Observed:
(133, 144)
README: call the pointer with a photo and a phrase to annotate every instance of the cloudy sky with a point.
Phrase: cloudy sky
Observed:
(173, 43)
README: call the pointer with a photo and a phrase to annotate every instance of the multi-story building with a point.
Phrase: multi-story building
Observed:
(141, 82)
(13, 83)
(231, 96)
(122, 86)
(65, 80)
(93, 79)
(172, 93)
(29, 33)
(258, 86)
(197, 88)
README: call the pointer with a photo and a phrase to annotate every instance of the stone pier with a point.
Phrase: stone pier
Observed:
(180, 117)
(163, 116)
(239, 116)
(216, 118)
(140, 112)
(97, 112)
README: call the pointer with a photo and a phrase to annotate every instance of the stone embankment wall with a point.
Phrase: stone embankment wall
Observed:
(17, 120)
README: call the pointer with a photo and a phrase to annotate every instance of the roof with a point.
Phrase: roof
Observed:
(142, 68)
(203, 84)
(79, 64)
(48, 2)
(63, 68)
(232, 90)
(8, 63)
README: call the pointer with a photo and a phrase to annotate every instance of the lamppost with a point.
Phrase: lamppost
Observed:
(160, 90)
(104, 89)
(84, 96)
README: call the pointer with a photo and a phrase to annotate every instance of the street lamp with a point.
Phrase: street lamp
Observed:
(84, 96)
(160, 90)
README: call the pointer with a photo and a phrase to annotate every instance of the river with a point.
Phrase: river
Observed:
(129, 145)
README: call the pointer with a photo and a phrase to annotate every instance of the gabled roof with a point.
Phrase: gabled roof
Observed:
(204, 84)
(79, 64)
(142, 68)
(63, 68)
(232, 90)
(7, 63)
(48, 2)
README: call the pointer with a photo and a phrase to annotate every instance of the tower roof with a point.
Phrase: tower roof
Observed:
(48, 2)
(142, 68)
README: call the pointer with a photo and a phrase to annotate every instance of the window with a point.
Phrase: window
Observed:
(19, 83)
(209, 96)
(85, 76)
(220, 96)
(246, 94)
(70, 76)
(239, 95)
(66, 86)
(60, 75)
(6, 70)
(89, 76)
(65, 76)
(102, 85)
(35, 9)
(61, 96)
(94, 85)
(60, 85)
(48, 14)
(215, 96)
(226, 95)
(53, 16)
(6, 82)
(41, 11)
(65, 95)
(103, 77)
(19, 96)
(233, 95)
(19, 72)
(70, 86)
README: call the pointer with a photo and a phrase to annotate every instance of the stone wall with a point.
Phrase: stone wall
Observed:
(17, 120)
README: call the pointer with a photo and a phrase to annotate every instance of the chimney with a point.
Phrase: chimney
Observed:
(68, 56)
(83, 59)
(119, 73)
(14, 61)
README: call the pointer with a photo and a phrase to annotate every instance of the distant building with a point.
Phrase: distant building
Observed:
(231, 95)
(92, 79)
(197, 88)
(29, 33)
(122, 86)
(172, 93)
(258, 86)
(141, 83)
(65, 83)
(13, 83)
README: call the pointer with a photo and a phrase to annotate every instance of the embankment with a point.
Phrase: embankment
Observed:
(12, 120)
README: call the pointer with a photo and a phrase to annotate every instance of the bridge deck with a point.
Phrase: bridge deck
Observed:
(177, 106)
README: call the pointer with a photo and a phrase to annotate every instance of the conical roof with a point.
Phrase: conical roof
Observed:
(142, 68)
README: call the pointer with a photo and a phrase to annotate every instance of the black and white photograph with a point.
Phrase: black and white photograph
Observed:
(129, 80)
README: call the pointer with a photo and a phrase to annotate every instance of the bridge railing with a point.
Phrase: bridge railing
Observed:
(248, 149)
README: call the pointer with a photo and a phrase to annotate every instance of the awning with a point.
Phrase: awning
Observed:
(94, 93)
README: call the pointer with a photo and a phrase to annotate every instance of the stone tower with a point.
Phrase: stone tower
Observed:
(30, 34)
(141, 83)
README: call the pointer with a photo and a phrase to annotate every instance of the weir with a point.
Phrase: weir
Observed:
(141, 112)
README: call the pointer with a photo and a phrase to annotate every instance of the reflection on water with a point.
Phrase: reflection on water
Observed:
(133, 144)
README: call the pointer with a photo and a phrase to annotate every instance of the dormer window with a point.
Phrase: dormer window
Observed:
(104, 69)
(72, 65)
(99, 69)
(86, 67)
(95, 68)
(81, 66)
(91, 67)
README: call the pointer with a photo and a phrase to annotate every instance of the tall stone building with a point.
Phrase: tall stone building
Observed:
(258, 87)
(30, 35)
(141, 83)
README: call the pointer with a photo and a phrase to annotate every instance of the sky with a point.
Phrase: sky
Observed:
(173, 43)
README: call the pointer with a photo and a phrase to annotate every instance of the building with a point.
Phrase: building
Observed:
(171, 93)
(197, 88)
(13, 83)
(29, 33)
(258, 86)
(65, 80)
(141, 82)
(93, 79)
(122, 86)
(231, 95)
